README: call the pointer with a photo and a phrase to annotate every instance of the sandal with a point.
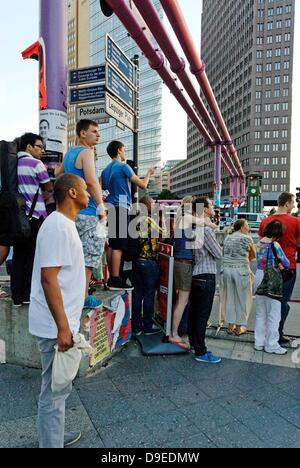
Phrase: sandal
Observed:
(231, 330)
(181, 344)
(3, 294)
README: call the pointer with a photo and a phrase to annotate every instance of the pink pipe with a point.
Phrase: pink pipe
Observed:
(156, 61)
(179, 25)
(178, 66)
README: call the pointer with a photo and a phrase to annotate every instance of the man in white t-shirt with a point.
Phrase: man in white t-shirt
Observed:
(57, 298)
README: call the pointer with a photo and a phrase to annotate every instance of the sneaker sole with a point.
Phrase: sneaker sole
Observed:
(114, 288)
(69, 444)
(208, 362)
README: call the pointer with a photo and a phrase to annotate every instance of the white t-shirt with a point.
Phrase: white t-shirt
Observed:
(58, 245)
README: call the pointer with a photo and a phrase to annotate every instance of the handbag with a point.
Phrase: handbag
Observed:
(286, 273)
(272, 283)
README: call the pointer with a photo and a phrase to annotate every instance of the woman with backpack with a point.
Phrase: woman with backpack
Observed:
(268, 285)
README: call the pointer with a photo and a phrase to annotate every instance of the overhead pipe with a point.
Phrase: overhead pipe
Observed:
(197, 66)
(157, 62)
(178, 66)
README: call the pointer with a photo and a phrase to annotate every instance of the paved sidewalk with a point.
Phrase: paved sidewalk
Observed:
(168, 402)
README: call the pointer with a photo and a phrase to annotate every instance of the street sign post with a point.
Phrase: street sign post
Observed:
(119, 60)
(116, 85)
(88, 94)
(87, 75)
(119, 112)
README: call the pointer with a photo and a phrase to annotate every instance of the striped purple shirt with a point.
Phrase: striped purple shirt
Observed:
(32, 173)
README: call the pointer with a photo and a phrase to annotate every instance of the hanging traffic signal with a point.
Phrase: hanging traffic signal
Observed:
(106, 10)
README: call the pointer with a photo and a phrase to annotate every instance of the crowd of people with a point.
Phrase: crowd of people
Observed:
(52, 270)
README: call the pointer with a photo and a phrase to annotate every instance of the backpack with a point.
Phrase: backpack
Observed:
(14, 226)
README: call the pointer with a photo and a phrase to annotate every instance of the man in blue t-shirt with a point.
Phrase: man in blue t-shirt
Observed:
(117, 179)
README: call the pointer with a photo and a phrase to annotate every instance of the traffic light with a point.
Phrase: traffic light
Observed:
(298, 197)
(106, 10)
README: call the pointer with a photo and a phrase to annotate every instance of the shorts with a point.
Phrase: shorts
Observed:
(93, 246)
(183, 274)
(118, 223)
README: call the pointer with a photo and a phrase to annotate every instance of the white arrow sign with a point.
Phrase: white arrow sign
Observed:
(119, 112)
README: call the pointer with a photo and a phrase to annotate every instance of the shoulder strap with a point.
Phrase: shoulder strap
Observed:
(275, 254)
(36, 196)
(110, 174)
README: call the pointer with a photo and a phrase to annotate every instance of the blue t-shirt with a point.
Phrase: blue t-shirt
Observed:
(70, 168)
(116, 179)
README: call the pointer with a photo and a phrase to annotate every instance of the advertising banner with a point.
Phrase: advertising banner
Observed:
(165, 292)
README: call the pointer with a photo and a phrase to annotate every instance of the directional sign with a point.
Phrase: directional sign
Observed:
(117, 86)
(87, 75)
(119, 112)
(95, 112)
(89, 94)
(119, 60)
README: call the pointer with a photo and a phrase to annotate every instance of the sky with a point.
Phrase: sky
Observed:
(19, 28)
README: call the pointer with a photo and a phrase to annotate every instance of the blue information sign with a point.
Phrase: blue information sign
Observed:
(87, 75)
(89, 94)
(117, 86)
(115, 55)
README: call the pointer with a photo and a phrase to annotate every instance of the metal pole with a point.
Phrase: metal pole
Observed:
(218, 182)
(53, 39)
(136, 128)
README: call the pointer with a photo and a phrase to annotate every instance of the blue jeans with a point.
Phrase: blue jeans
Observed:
(202, 299)
(145, 280)
(51, 412)
(287, 294)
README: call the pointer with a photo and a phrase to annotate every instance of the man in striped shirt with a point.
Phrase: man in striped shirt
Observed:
(32, 178)
(207, 252)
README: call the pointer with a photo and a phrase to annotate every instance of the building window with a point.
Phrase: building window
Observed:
(269, 80)
(285, 120)
(257, 135)
(283, 161)
(267, 134)
(275, 161)
(258, 122)
(284, 133)
(287, 37)
(277, 52)
(277, 79)
(257, 148)
(266, 148)
(288, 23)
(259, 40)
(269, 39)
(278, 38)
(266, 175)
(277, 93)
(285, 106)
(284, 147)
(268, 108)
(268, 121)
(286, 78)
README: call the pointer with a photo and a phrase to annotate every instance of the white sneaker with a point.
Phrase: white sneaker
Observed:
(279, 350)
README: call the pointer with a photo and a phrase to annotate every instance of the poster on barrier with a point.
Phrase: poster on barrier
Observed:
(165, 291)
(110, 328)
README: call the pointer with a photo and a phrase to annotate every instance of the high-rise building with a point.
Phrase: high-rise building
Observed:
(78, 49)
(247, 47)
